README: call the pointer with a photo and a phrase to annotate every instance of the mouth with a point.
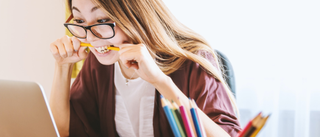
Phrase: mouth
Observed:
(103, 49)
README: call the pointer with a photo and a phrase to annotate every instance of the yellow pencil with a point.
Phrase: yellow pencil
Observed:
(113, 48)
(85, 45)
(260, 125)
(253, 127)
(89, 45)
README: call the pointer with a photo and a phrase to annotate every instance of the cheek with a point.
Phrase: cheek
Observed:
(114, 56)
(119, 37)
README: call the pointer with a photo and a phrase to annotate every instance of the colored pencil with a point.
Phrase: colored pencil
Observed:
(253, 127)
(245, 130)
(85, 44)
(176, 119)
(185, 119)
(260, 125)
(170, 118)
(200, 122)
(179, 119)
(89, 45)
(195, 119)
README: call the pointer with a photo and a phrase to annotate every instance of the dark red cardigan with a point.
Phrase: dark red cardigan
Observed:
(92, 100)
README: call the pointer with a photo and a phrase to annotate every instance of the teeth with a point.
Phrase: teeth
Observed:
(102, 49)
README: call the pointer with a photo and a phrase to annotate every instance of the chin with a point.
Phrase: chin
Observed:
(107, 58)
(105, 61)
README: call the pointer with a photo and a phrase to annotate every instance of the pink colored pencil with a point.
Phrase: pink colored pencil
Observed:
(185, 120)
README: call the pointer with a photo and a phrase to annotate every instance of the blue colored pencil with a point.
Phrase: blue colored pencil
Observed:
(195, 119)
(170, 118)
(203, 132)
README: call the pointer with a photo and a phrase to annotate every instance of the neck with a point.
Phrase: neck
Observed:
(127, 73)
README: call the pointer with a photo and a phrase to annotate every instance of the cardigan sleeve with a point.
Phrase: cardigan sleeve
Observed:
(211, 97)
(84, 119)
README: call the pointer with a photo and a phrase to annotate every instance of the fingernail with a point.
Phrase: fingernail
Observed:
(75, 50)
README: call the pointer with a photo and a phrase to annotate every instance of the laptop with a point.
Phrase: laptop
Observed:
(24, 111)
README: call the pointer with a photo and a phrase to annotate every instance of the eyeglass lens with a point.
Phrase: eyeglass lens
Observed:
(101, 31)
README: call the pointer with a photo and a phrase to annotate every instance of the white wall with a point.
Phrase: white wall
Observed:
(27, 29)
(274, 48)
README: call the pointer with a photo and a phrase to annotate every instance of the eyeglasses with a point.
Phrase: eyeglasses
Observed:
(102, 31)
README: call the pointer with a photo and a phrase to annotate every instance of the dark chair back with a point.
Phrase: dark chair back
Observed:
(228, 72)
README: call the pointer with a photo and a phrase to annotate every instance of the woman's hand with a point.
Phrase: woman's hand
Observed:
(67, 50)
(137, 56)
(148, 70)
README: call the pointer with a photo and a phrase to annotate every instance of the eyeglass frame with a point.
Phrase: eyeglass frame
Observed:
(66, 24)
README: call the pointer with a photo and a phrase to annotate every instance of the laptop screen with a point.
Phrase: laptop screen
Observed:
(24, 111)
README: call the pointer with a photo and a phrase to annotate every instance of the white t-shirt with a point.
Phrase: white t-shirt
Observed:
(134, 106)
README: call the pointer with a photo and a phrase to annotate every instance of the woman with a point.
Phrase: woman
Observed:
(117, 93)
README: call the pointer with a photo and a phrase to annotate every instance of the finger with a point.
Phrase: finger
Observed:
(130, 59)
(82, 53)
(55, 52)
(128, 49)
(121, 46)
(125, 51)
(68, 45)
(125, 61)
(61, 49)
(132, 64)
(76, 43)
(131, 52)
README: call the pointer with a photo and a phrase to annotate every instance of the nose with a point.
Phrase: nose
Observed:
(90, 37)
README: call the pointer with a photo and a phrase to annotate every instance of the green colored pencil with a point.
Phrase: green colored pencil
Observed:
(176, 118)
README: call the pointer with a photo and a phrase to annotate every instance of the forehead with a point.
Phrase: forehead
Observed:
(83, 6)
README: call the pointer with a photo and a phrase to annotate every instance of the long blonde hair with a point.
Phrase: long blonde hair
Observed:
(151, 23)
